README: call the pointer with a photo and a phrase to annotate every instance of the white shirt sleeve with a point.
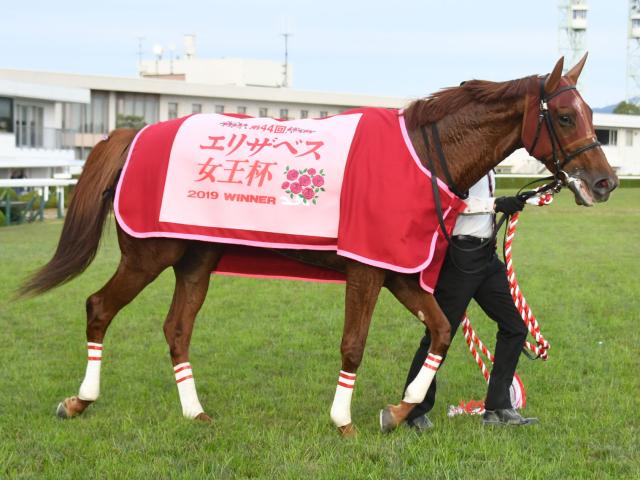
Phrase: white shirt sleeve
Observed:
(478, 206)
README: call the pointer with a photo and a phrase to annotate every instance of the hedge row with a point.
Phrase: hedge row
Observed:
(514, 183)
(25, 197)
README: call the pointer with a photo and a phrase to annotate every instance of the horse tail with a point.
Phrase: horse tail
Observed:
(82, 229)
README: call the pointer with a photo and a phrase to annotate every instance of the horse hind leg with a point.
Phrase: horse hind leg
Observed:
(193, 274)
(142, 261)
(363, 287)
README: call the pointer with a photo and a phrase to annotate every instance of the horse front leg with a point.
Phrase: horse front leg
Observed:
(363, 287)
(193, 273)
(424, 306)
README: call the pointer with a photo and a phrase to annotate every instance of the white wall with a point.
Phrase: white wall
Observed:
(221, 71)
(185, 106)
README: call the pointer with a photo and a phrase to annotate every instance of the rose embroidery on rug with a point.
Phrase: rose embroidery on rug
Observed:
(305, 184)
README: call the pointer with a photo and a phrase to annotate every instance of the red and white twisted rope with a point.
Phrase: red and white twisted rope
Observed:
(542, 346)
(472, 340)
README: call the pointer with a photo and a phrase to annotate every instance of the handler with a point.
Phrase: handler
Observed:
(477, 272)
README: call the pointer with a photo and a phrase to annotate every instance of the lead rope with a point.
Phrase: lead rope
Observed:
(542, 346)
(476, 346)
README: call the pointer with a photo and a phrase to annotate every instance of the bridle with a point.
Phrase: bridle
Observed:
(559, 178)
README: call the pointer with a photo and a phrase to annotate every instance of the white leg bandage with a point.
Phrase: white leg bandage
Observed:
(417, 390)
(90, 387)
(191, 407)
(341, 408)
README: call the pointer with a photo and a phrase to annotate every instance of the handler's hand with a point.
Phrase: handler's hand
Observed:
(508, 205)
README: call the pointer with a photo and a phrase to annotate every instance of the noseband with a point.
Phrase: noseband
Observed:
(560, 176)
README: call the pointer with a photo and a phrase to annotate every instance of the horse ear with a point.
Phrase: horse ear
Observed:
(574, 73)
(553, 79)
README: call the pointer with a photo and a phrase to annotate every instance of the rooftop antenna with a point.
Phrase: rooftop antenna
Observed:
(140, 39)
(285, 70)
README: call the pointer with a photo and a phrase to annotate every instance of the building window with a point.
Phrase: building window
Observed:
(304, 113)
(606, 136)
(629, 136)
(29, 126)
(135, 109)
(324, 114)
(172, 110)
(580, 14)
(263, 112)
(74, 117)
(196, 108)
(284, 113)
(96, 120)
(242, 110)
(219, 109)
(6, 115)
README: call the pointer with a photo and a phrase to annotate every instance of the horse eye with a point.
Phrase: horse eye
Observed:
(565, 120)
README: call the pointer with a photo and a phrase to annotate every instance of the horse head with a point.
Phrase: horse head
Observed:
(558, 131)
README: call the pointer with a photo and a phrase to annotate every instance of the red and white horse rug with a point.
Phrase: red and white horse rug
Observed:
(350, 183)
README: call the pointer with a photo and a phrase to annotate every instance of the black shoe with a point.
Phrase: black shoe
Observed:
(505, 416)
(419, 424)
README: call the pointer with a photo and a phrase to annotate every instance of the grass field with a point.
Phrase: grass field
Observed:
(266, 359)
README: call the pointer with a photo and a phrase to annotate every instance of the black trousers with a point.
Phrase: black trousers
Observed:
(490, 288)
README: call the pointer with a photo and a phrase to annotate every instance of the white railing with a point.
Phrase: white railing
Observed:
(43, 184)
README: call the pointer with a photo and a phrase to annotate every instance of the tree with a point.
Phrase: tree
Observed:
(627, 108)
(130, 121)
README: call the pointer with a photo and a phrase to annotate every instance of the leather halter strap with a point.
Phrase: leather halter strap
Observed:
(544, 118)
(443, 162)
(438, 202)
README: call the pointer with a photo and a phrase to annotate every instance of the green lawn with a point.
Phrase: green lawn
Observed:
(266, 359)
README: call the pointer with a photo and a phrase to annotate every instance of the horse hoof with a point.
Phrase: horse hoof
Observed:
(203, 417)
(348, 431)
(71, 407)
(61, 412)
(388, 422)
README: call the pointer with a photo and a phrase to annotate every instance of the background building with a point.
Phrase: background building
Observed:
(50, 121)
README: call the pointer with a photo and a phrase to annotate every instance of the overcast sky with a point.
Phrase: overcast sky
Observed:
(381, 47)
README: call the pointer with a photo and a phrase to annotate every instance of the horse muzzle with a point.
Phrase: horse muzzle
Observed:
(587, 192)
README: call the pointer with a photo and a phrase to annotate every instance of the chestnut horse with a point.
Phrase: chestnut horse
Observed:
(480, 124)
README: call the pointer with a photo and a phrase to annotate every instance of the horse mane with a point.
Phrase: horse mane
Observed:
(449, 100)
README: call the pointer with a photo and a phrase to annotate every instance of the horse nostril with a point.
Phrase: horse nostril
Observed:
(604, 185)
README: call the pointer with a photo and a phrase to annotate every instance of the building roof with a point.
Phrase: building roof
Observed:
(69, 87)
(616, 120)
(38, 90)
(181, 88)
